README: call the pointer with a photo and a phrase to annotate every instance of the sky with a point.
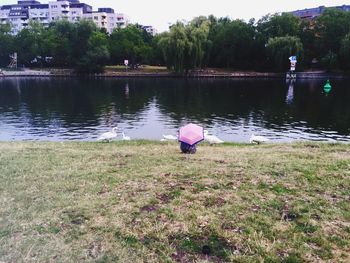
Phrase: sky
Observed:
(162, 13)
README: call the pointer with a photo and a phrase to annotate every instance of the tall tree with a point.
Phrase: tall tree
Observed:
(184, 45)
(330, 28)
(33, 43)
(278, 25)
(176, 46)
(63, 37)
(6, 44)
(96, 55)
(279, 49)
(129, 43)
(233, 44)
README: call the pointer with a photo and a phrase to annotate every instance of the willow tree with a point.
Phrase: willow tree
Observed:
(175, 45)
(279, 49)
(198, 31)
(184, 45)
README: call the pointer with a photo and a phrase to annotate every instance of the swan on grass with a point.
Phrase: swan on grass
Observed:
(212, 139)
(107, 136)
(169, 137)
(125, 138)
(258, 139)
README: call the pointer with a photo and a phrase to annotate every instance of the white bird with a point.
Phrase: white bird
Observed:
(258, 139)
(212, 139)
(169, 137)
(107, 136)
(125, 138)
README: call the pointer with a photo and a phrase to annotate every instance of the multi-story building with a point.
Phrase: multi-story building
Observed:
(312, 13)
(19, 15)
(106, 18)
(150, 29)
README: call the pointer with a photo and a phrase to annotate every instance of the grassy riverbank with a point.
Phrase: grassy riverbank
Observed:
(145, 202)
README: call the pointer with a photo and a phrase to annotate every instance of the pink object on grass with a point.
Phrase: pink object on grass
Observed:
(191, 134)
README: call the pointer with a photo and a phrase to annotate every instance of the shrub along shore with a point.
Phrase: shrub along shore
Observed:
(143, 201)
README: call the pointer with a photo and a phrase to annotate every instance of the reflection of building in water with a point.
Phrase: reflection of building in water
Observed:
(126, 90)
(290, 92)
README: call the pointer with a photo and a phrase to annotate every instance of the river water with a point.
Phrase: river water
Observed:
(56, 109)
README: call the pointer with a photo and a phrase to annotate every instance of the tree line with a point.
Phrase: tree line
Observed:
(262, 45)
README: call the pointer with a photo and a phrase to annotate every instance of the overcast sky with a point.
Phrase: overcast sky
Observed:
(161, 13)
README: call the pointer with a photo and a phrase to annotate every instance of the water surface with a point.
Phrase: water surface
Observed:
(57, 109)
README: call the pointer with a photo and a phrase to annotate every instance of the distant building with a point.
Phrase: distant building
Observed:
(150, 29)
(19, 15)
(312, 13)
(106, 18)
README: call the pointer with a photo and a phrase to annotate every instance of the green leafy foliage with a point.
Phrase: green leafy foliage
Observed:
(202, 42)
(279, 49)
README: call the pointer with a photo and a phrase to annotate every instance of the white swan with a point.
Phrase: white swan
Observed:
(169, 137)
(212, 139)
(107, 136)
(258, 139)
(125, 138)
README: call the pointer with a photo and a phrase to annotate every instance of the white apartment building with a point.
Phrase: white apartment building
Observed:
(150, 30)
(19, 15)
(106, 18)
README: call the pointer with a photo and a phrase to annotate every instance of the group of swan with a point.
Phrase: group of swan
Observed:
(212, 139)
(108, 136)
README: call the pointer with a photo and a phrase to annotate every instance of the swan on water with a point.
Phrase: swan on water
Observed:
(125, 138)
(258, 139)
(169, 137)
(212, 139)
(107, 136)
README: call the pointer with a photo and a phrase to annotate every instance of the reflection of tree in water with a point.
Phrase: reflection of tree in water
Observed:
(73, 101)
(228, 99)
(92, 102)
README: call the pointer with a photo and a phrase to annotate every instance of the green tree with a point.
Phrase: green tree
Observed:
(233, 44)
(278, 25)
(176, 46)
(279, 49)
(184, 45)
(96, 56)
(6, 44)
(83, 31)
(330, 28)
(307, 37)
(32, 42)
(63, 36)
(129, 43)
(344, 54)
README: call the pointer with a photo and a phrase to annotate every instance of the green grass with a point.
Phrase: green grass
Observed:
(144, 201)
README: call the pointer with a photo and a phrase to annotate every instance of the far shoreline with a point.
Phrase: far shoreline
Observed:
(201, 74)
